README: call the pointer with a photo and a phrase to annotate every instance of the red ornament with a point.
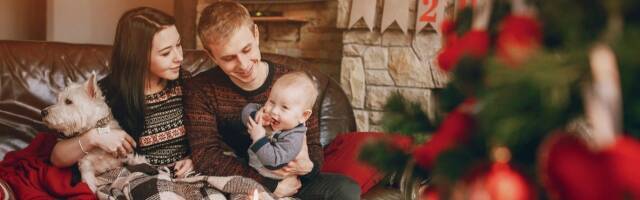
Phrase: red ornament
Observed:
(519, 37)
(448, 27)
(499, 181)
(570, 170)
(474, 43)
(454, 130)
(429, 193)
(623, 161)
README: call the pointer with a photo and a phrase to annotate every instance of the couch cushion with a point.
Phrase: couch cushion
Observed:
(341, 156)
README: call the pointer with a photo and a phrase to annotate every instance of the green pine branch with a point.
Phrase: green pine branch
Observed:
(384, 156)
(406, 117)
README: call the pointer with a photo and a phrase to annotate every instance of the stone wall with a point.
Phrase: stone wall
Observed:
(376, 65)
(318, 40)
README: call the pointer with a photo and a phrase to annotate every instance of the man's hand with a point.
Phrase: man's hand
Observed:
(183, 166)
(299, 166)
(117, 142)
(288, 187)
(255, 129)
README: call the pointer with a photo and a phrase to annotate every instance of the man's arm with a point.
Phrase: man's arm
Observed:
(207, 146)
(316, 154)
(275, 155)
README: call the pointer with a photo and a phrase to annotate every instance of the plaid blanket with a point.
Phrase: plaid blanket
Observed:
(146, 182)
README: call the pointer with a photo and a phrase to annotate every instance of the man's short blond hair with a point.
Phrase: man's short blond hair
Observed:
(220, 20)
(303, 80)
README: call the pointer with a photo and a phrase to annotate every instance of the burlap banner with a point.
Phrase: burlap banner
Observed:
(429, 12)
(365, 9)
(396, 11)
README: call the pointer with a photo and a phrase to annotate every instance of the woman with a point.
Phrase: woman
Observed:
(144, 91)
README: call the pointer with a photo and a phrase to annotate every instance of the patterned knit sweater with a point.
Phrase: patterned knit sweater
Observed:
(164, 139)
(219, 141)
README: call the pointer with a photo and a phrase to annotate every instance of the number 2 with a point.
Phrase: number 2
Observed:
(426, 17)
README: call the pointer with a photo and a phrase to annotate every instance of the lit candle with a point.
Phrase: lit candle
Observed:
(255, 195)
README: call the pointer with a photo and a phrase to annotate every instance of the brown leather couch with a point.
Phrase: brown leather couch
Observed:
(31, 73)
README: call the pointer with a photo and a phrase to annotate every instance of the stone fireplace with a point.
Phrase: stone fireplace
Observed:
(369, 65)
(375, 65)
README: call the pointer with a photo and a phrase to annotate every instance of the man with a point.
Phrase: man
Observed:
(219, 140)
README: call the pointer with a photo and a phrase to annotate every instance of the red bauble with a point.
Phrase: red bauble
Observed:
(504, 183)
(518, 39)
(499, 181)
(570, 170)
(448, 27)
(623, 161)
(454, 130)
(474, 43)
(429, 193)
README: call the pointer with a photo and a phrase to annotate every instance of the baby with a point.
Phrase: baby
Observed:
(289, 105)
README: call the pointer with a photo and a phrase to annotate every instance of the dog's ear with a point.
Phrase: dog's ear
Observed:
(91, 86)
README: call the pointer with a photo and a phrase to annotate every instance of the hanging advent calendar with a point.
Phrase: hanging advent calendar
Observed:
(429, 12)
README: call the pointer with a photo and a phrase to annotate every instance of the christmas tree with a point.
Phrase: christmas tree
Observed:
(543, 103)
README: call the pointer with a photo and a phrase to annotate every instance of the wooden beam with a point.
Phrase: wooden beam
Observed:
(185, 14)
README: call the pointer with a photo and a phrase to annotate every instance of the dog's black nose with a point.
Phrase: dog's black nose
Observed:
(44, 112)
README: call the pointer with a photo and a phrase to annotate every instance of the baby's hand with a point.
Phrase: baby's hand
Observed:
(255, 129)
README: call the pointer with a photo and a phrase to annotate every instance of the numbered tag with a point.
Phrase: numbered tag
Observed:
(429, 15)
(430, 12)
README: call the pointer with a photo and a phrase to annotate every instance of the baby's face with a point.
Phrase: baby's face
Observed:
(286, 108)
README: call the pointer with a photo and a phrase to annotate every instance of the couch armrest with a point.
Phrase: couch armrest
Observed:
(336, 114)
(5, 191)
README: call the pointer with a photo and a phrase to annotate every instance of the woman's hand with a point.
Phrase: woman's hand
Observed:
(288, 187)
(116, 142)
(68, 151)
(183, 166)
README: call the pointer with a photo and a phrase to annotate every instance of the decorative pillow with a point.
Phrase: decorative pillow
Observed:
(5, 191)
(341, 157)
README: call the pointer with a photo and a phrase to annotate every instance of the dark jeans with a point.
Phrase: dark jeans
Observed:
(329, 186)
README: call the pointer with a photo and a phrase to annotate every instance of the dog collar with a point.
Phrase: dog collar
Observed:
(102, 123)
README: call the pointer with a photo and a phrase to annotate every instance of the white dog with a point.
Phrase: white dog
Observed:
(81, 107)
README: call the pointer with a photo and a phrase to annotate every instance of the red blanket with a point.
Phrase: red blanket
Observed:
(32, 176)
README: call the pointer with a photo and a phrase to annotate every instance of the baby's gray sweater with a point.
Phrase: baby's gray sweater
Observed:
(276, 151)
